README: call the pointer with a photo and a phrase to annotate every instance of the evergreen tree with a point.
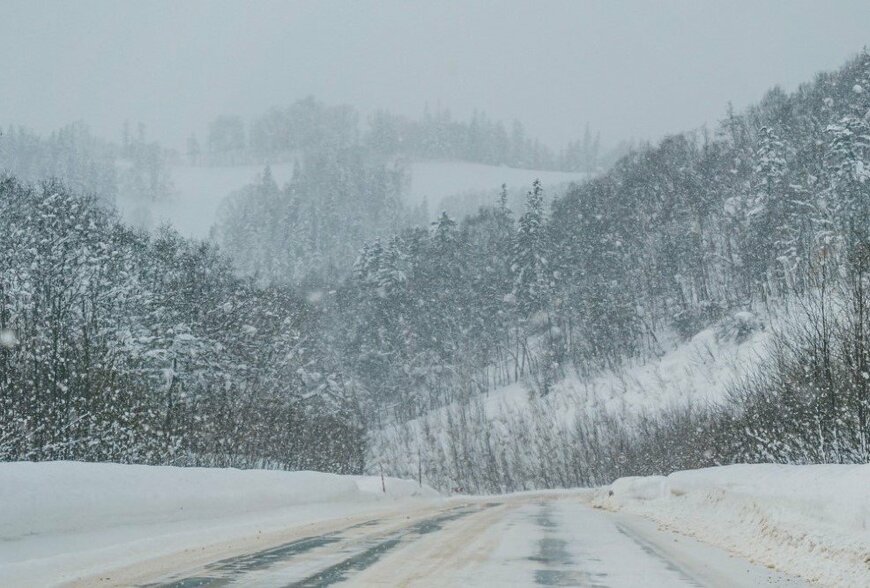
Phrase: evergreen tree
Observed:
(532, 277)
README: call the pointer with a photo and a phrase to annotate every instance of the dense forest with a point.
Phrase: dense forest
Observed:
(771, 209)
(310, 231)
(150, 348)
(122, 346)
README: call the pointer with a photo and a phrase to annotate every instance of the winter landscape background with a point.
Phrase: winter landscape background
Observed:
(441, 284)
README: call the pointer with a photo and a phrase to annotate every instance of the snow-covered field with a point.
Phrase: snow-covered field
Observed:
(200, 191)
(813, 521)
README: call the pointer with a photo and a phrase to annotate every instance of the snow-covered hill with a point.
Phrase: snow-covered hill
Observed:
(698, 371)
(512, 438)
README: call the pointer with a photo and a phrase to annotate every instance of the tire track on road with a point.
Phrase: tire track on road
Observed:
(334, 555)
(362, 561)
(456, 547)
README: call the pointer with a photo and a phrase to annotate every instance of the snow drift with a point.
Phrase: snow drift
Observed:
(812, 521)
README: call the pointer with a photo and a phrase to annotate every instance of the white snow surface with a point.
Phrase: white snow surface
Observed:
(59, 520)
(696, 371)
(809, 520)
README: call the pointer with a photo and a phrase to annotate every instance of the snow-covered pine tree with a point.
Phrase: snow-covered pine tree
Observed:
(532, 277)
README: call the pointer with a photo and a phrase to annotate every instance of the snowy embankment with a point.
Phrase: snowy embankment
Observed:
(60, 520)
(812, 521)
(697, 372)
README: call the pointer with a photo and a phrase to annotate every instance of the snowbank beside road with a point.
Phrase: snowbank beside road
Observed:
(59, 519)
(812, 521)
(60, 497)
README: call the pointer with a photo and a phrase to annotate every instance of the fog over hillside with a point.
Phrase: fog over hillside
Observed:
(631, 69)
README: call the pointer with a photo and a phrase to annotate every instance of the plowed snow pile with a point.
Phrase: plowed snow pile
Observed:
(812, 521)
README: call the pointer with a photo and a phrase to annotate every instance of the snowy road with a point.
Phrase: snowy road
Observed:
(550, 540)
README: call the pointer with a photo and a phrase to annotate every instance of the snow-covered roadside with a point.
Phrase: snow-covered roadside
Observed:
(61, 520)
(812, 521)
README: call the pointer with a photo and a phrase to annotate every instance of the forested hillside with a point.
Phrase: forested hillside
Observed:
(671, 239)
(310, 125)
(770, 210)
(310, 231)
(123, 346)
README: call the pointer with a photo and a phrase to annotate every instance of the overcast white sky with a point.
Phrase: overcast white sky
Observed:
(630, 68)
